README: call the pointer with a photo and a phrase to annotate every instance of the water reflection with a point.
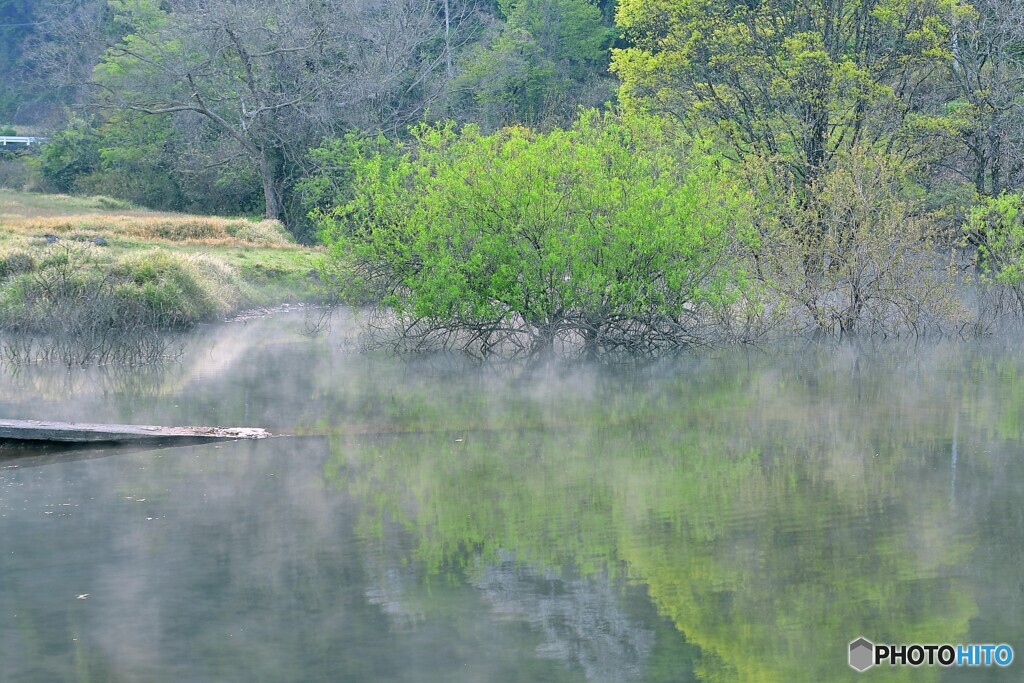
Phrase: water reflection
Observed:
(582, 619)
(730, 518)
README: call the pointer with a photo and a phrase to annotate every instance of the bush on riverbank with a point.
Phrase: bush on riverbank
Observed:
(64, 288)
(859, 254)
(80, 303)
(996, 227)
(621, 234)
(611, 236)
(189, 268)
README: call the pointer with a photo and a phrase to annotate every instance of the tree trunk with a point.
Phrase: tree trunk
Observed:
(449, 70)
(814, 144)
(980, 162)
(543, 338)
(995, 155)
(271, 188)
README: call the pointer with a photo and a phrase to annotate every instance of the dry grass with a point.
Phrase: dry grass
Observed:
(150, 271)
(83, 303)
(29, 214)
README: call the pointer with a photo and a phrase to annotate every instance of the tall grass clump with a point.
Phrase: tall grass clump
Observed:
(78, 304)
(177, 290)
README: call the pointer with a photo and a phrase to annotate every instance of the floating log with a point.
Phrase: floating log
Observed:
(84, 432)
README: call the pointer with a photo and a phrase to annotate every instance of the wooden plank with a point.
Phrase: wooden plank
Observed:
(83, 432)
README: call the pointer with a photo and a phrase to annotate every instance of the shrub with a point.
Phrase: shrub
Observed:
(70, 153)
(860, 256)
(80, 304)
(263, 233)
(610, 235)
(176, 290)
(15, 173)
(111, 204)
(996, 226)
(15, 263)
(180, 229)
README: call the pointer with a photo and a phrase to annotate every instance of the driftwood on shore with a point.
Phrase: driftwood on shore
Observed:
(84, 432)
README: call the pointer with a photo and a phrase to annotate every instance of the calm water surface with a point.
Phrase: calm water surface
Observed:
(739, 517)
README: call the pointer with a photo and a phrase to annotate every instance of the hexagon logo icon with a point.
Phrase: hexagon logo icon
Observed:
(862, 654)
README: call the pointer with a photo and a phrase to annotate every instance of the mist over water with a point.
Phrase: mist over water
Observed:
(730, 517)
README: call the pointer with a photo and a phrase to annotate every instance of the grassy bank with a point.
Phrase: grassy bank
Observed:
(73, 265)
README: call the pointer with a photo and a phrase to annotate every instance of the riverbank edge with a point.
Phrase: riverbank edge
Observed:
(111, 264)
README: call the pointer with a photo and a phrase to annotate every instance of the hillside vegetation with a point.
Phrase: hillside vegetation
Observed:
(519, 175)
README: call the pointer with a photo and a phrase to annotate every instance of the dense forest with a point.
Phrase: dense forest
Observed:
(214, 106)
(527, 173)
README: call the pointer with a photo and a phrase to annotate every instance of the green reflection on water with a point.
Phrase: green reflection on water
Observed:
(772, 513)
(730, 518)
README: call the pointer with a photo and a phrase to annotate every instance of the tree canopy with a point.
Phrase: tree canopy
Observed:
(796, 81)
(609, 233)
(547, 57)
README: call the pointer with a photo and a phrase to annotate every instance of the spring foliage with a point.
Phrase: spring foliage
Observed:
(996, 226)
(799, 82)
(610, 233)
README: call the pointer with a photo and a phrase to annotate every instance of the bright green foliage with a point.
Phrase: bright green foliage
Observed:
(330, 182)
(791, 81)
(996, 226)
(568, 30)
(997, 223)
(545, 60)
(608, 233)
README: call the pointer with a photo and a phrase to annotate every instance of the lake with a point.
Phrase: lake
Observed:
(736, 516)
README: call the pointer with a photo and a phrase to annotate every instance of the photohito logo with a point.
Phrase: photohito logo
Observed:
(864, 654)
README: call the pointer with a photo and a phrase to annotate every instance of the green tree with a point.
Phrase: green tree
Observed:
(861, 254)
(134, 162)
(71, 153)
(152, 161)
(610, 233)
(791, 81)
(540, 65)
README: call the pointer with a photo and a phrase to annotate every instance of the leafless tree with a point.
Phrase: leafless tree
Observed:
(275, 77)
